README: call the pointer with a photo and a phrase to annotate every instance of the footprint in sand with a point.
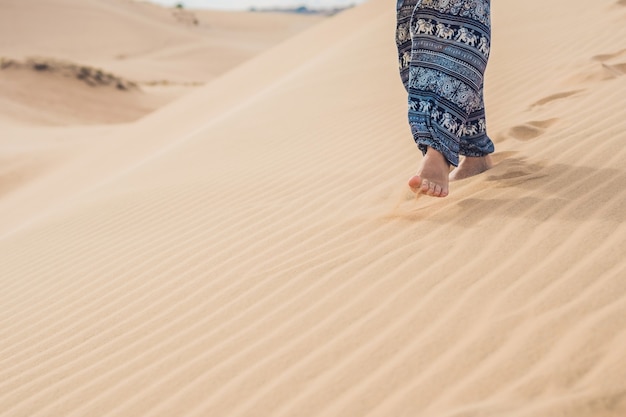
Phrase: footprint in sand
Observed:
(607, 71)
(609, 56)
(531, 130)
(616, 69)
(512, 171)
(611, 70)
(554, 97)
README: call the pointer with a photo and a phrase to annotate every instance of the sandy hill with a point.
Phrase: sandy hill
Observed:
(251, 249)
(166, 52)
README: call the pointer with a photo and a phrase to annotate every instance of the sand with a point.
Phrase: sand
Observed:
(64, 48)
(252, 249)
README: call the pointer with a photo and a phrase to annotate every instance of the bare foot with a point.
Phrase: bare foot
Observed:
(470, 166)
(432, 176)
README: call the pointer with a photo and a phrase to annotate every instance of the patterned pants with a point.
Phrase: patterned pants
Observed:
(443, 48)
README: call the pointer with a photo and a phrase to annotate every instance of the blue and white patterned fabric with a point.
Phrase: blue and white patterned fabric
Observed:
(443, 48)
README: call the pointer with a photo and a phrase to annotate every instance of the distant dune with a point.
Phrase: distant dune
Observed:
(251, 247)
(165, 52)
(47, 91)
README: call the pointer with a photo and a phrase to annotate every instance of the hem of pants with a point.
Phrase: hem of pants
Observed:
(477, 147)
(427, 135)
(424, 143)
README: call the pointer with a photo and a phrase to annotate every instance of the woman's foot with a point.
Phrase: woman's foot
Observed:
(470, 166)
(432, 176)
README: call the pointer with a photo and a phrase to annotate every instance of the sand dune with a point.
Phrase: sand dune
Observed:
(138, 40)
(49, 92)
(251, 249)
(165, 52)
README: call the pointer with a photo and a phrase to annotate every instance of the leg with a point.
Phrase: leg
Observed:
(404, 11)
(475, 145)
(432, 176)
(445, 79)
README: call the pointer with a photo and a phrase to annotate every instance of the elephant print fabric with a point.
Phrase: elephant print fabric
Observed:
(443, 49)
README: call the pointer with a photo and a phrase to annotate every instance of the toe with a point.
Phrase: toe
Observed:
(432, 188)
(415, 183)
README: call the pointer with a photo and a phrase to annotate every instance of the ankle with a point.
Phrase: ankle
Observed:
(434, 153)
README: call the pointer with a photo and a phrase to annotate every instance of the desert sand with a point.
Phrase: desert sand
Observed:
(251, 248)
(138, 55)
